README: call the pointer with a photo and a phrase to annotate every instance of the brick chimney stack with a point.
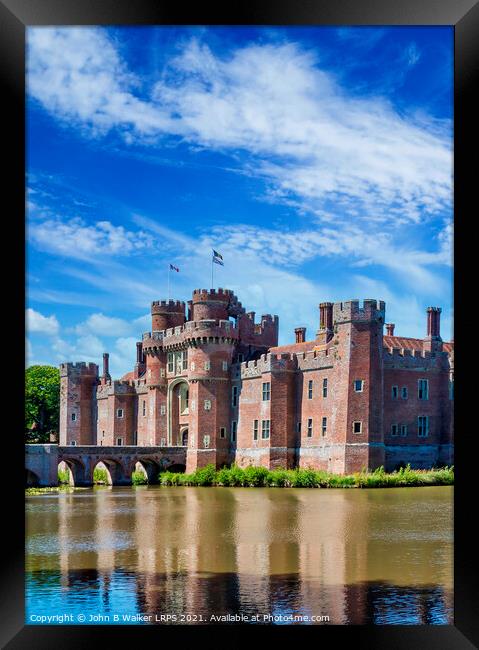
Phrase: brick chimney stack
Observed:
(300, 333)
(390, 329)
(433, 341)
(325, 332)
(106, 372)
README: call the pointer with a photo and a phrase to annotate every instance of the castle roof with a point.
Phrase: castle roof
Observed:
(294, 347)
(412, 344)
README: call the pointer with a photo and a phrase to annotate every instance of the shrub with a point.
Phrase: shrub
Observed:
(255, 476)
(139, 478)
(100, 476)
(64, 477)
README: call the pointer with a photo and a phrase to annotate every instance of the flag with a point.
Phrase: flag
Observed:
(217, 258)
(174, 268)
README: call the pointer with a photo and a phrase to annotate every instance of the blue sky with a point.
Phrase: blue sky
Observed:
(317, 160)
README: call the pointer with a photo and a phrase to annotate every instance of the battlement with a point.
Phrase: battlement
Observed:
(224, 295)
(78, 368)
(371, 310)
(160, 306)
(406, 358)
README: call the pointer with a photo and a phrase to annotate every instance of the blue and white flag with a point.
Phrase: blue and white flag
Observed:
(174, 268)
(217, 258)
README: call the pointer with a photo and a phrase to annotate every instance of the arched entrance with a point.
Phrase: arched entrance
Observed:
(178, 411)
(184, 437)
(31, 479)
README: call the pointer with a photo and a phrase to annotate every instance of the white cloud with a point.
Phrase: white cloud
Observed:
(77, 239)
(309, 139)
(103, 325)
(37, 322)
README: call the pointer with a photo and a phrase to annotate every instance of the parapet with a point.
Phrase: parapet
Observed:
(371, 310)
(78, 368)
(223, 295)
(162, 306)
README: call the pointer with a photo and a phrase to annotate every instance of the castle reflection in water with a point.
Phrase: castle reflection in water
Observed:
(377, 556)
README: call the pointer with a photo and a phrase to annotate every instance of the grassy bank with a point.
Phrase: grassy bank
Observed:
(262, 477)
(55, 488)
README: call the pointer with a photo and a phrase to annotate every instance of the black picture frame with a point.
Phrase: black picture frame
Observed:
(15, 16)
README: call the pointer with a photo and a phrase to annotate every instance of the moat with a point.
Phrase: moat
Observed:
(355, 556)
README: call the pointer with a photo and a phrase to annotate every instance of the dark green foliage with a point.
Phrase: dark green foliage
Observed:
(307, 478)
(42, 403)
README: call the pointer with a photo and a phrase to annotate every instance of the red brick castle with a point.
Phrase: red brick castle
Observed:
(215, 382)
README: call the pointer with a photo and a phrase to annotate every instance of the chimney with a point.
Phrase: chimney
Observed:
(106, 373)
(325, 332)
(251, 315)
(433, 341)
(139, 352)
(300, 333)
(390, 329)
(433, 322)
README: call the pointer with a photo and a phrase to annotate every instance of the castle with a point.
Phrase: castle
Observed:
(215, 382)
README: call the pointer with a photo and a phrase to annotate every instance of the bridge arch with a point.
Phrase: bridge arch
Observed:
(149, 466)
(116, 472)
(78, 473)
(31, 479)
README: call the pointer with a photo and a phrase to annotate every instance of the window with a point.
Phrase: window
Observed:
(299, 427)
(162, 372)
(225, 366)
(206, 442)
(184, 360)
(119, 413)
(234, 426)
(255, 429)
(193, 404)
(357, 426)
(193, 365)
(324, 426)
(423, 426)
(73, 443)
(394, 392)
(222, 432)
(74, 417)
(394, 429)
(162, 442)
(207, 405)
(423, 389)
(144, 408)
(163, 409)
(265, 429)
(102, 434)
(234, 396)
(451, 389)
(325, 387)
(404, 429)
(310, 427)
(266, 391)
(240, 358)
(171, 362)
(358, 385)
(207, 365)
(135, 438)
(404, 392)
(119, 442)
(310, 389)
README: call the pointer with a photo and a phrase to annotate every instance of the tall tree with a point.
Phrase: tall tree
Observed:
(42, 402)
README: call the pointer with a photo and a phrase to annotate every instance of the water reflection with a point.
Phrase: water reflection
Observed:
(357, 556)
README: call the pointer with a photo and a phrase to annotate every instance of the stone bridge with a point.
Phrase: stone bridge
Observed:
(41, 462)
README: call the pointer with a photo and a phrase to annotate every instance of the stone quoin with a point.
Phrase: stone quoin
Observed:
(212, 380)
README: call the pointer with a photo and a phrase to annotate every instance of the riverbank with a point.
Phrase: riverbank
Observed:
(54, 488)
(307, 478)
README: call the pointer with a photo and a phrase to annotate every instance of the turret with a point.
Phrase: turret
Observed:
(210, 304)
(78, 383)
(166, 314)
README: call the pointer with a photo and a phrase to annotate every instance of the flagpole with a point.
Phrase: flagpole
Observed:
(212, 257)
(169, 272)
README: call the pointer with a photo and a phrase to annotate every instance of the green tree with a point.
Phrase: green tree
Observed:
(42, 402)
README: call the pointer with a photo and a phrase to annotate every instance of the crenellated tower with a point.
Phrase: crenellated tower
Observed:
(78, 382)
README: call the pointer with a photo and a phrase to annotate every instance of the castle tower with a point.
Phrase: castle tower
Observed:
(78, 382)
(213, 406)
(358, 380)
